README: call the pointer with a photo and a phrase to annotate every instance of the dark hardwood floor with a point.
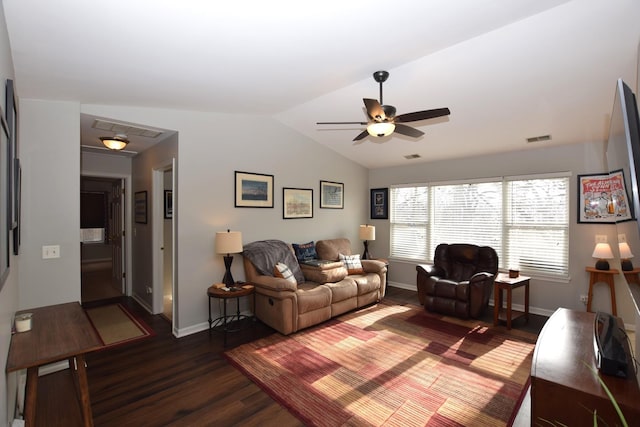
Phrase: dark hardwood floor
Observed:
(165, 381)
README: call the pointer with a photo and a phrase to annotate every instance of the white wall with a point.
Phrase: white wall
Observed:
(8, 292)
(546, 296)
(211, 147)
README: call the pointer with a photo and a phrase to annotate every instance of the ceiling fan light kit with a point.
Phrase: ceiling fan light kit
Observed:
(117, 142)
(383, 120)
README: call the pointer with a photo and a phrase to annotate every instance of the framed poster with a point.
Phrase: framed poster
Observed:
(140, 207)
(297, 203)
(168, 204)
(331, 195)
(5, 209)
(603, 198)
(379, 203)
(12, 152)
(253, 190)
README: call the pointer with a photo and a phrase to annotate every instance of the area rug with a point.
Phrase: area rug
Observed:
(393, 365)
(116, 325)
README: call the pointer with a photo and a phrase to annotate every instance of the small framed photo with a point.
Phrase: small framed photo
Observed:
(168, 204)
(140, 207)
(331, 195)
(253, 190)
(379, 203)
(603, 198)
(297, 203)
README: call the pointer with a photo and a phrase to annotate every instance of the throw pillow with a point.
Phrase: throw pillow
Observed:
(352, 262)
(305, 251)
(281, 270)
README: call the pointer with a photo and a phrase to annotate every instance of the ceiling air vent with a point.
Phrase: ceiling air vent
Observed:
(126, 129)
(540, 138)
(412, 156)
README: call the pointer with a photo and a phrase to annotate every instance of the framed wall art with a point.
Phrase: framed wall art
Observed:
(603, 198)
(12, 151)
(5, 210)
(253, 190)
(379, 203)
(168, 204)
(140, 207)
(331, 195)
(297, 203)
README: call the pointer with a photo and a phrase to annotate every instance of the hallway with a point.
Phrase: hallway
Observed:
(97, 283)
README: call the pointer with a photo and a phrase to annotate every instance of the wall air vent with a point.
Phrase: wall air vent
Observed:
(412, 156)
(540, 138)
(125, 129)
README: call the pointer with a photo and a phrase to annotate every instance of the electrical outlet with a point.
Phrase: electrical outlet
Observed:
(601, 238)
(52, 251)
(622, 238)
(149, 290)
(583, 299)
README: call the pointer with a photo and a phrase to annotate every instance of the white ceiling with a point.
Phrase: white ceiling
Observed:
(507, 69)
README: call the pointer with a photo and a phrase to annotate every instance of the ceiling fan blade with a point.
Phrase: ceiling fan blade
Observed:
(342, 123)
(422, 115)
(362, 135)
(408, 131)
(374, 109)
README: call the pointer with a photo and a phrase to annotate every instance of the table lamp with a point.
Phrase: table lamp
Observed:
(625, 254)
(367, 232)
(602, 252)
(228, 242)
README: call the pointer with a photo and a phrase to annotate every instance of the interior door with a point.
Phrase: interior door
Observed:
(116, 234)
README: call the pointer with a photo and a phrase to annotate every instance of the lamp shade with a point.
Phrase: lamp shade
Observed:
(381, 128)
(602, 251)
(228, 242)
(367, 232)
(625, 250)
(117, 142)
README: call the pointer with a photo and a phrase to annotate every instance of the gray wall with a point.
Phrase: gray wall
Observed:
(546, 295)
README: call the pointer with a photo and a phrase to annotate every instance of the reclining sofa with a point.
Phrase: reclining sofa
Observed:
(316, 286)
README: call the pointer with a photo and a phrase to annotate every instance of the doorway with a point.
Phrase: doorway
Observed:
(102, 224)
(164, 240)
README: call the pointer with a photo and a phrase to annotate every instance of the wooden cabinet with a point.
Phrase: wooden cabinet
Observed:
(564, 388)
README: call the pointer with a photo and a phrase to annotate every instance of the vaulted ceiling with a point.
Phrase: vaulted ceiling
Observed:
(508, 70)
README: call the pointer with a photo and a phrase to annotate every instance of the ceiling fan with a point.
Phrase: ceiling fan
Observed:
(383, 120)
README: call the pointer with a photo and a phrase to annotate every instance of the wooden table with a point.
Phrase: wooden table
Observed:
(224, 321)
(602, 276)
(505, 283)
(58, 332)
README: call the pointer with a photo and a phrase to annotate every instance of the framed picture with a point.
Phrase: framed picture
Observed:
(140, 207)
(379, 203)
(5, 210)
(253, 190)
(18, 199)
(331, 195)
(603, 198)
(297, 203)
(168, 204)
(12, 151)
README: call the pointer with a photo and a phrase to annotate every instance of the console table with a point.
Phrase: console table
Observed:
(58, 332)
(564, 387)
(604, 276)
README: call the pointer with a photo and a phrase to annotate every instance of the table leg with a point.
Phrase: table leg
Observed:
(224, 322)
(592, 280)
(526, 301)
(83, 390)
(497, 304)
(31, 397)
(509, 307)
(612, 288)
(210, 320)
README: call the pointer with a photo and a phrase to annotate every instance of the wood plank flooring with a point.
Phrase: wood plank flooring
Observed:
(165, 381)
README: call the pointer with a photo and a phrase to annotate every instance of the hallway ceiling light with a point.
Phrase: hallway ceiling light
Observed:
(117, 142)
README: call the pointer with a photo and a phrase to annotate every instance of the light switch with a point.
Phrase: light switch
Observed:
(51, 251)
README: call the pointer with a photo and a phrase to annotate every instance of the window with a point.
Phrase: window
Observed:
(525, 219)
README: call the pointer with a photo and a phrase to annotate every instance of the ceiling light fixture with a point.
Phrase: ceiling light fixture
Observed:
(117, 142)
(381, 128)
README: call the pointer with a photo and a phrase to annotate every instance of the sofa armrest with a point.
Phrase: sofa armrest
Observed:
(373, 266)
(273, 283)
(430, 270)
(481, 277)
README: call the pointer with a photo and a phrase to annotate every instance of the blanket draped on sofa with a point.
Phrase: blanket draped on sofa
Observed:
(265, 254)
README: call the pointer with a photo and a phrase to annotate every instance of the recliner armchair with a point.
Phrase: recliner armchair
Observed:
(460, 281)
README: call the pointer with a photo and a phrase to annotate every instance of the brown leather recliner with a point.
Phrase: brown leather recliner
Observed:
(460, 281)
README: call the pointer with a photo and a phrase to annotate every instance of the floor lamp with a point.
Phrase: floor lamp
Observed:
(367, 232)
(228, 242)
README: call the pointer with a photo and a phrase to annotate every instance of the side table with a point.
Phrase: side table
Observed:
(604, 276)
(224, 322)
(505, 283)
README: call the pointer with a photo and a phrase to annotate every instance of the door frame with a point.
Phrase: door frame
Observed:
(127, 224)
(157, 212)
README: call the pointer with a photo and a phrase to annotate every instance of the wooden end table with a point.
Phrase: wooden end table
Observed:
(505, 283)
(223, 322)
(602, 276)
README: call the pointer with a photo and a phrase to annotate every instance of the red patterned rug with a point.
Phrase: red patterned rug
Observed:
(393, 365)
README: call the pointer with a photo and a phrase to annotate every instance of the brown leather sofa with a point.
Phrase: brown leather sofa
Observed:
(460, 281)
(320, 291)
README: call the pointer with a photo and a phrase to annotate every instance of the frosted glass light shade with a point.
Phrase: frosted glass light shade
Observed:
(381, 128)
(367, 232)
(228, 242)
(117, 142)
